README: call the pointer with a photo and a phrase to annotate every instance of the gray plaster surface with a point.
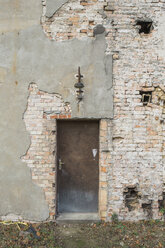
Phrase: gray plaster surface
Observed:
(19, 14)
(27, 55)
(53, 5)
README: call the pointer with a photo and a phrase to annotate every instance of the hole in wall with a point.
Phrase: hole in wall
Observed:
(146, 97)
(147, 208)
(131, 198)
(145, 26)
(162, 203)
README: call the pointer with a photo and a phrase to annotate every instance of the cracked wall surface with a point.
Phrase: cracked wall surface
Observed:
(75, 19)
(138, 130)
(137, 159)
(37, 48)
(42, 110)
(52, 6)
(27, 55)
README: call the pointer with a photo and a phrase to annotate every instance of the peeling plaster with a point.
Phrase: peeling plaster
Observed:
(28, 56)
(42, 110)
(53, 5)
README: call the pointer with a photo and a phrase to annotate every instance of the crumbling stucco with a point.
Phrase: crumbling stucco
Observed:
(27, 55)
(40, 119)
(75, 19)
(53, 5)
(137, 129)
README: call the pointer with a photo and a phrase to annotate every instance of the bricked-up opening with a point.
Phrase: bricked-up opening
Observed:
(146, 97)
(131, 198)
(145, 26)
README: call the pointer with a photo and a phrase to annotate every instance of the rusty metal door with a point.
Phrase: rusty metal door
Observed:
(78, 167)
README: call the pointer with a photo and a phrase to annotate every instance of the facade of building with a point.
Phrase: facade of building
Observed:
(69, 67)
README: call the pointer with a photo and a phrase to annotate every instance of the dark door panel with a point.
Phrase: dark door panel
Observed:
(78, 171)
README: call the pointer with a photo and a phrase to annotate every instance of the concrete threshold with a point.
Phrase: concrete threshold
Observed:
(78, 217)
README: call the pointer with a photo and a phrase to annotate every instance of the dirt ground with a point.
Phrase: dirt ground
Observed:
(102, 235)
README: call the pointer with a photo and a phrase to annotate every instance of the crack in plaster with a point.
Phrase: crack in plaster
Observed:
(42, 110)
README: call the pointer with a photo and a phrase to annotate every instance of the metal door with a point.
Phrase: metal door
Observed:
(78, 167)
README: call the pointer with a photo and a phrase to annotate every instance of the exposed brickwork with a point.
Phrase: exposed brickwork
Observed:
(138, 132)
(105, 162)
(40, 119)
(42, 110)
(138, 156)
(76, 19)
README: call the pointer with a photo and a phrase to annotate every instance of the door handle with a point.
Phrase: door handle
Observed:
(60, 164)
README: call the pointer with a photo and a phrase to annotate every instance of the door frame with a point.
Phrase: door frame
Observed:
(103, 165)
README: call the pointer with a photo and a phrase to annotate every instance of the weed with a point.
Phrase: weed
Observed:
(114, 218)
(162, 210)
(157, 221)
(135, 233)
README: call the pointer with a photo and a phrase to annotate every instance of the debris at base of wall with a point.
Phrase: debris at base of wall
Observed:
(17, 223)
(131, 197)
(24, 228)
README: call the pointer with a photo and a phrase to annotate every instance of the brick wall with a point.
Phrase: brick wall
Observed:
(138, 130)
(134, 165)
(76, 19)
(43, 109)
(40, 119)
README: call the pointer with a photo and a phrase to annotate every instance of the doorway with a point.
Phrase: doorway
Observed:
(77, 166)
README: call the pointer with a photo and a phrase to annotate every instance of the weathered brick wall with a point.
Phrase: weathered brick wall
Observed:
(76, 19)
(40, 119)
(43, 109)
(138, 130)
(134, 169)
